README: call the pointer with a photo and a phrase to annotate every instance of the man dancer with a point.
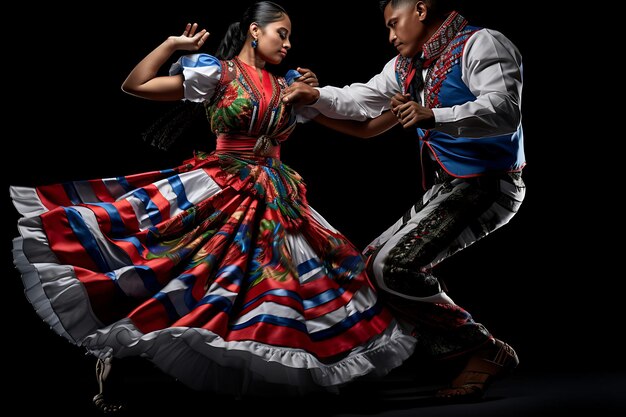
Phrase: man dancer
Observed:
(460, 87)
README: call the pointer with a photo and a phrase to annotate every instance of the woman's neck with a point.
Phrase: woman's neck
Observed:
(248, 56)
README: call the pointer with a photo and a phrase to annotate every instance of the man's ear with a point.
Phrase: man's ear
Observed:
(421, 10)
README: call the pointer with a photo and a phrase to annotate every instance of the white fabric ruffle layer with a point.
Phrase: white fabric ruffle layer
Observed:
(197, 357)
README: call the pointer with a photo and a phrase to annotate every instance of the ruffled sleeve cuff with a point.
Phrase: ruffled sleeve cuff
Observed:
(202, 74)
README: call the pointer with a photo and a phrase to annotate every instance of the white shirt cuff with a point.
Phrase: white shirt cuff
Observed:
(443, 115)
(324, 102)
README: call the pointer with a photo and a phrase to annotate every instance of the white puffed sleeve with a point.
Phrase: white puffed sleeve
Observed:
(201, 72)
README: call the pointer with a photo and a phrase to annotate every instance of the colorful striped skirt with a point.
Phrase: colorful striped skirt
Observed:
(218, 271)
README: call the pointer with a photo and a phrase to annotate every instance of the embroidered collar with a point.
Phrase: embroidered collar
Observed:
(444, 35)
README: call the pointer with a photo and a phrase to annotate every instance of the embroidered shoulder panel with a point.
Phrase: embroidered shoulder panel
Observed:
(439, 70)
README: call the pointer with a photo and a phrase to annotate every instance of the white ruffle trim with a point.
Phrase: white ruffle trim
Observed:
(197, 357)
(26, 201)
(57, 296)
(202, 360)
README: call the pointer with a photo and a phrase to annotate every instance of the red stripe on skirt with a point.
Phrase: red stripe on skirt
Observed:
(310, 289)
(207, 314)
(326, 308)
(161, 202)
(63, 242)
(129, 218)
(270, 284)
(162, 268)
(101, 191)
(201, 284)
(318, 286)
(310, 313)
(272, 298)
(150, 316)
(131, 251)
(104, 220)
(106, 300)
(145, 178)
(275, 335)
(52, 196)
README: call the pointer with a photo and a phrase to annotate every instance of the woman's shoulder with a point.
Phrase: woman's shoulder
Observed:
(197, 61)
(201, 73)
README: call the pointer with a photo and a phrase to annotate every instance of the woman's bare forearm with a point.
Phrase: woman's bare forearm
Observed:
(143, 81)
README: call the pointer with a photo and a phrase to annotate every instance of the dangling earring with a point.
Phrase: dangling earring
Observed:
(254, 43)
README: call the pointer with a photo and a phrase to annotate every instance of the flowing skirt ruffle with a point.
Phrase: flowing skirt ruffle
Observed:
(217, 271)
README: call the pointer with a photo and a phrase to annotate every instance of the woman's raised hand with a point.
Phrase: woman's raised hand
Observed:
(190, 40)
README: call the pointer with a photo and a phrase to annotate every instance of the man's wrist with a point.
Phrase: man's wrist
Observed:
(316, 96)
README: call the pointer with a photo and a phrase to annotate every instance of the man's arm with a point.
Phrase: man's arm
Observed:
(360, 129)
(492, 69)
(358, 101)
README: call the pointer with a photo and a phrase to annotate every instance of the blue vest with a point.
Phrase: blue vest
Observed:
(461, 156)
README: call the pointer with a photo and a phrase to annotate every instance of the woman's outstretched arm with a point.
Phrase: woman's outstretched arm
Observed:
(143, 81)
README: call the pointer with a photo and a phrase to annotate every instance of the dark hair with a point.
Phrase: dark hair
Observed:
(174, 124)
(262, 13)
(438, 7)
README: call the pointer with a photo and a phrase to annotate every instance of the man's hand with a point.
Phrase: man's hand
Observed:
(300, 93)
(411, 114)
(308, 77)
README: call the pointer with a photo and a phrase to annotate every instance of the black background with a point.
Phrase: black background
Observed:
(542, 283)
